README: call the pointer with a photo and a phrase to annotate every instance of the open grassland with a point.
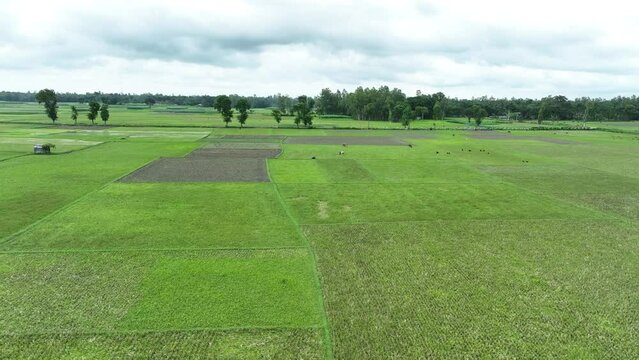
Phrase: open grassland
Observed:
(520, 244)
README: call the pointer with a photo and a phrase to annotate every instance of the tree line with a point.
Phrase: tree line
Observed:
(146, 98)
(379, 104)
(385, 104)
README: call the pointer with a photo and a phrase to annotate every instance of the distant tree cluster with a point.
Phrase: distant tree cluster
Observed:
(386, 105)
(49, 98)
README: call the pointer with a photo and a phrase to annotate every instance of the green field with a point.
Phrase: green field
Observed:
(139, 115)
(520, 244)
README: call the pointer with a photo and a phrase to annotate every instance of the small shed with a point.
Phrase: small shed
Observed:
(42, 149)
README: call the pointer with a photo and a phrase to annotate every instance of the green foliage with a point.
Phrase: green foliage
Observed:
(48, 147)
(104, 113)
(243, 108)
(438, 111)
(74, 114)
(407, 116)
(150, 101)
(94, 109)
(50, 101)
(478, 113)
(284, 104)
(223, 106)
(422, 111)
(543, 112)
(304, 111)
(277, 115)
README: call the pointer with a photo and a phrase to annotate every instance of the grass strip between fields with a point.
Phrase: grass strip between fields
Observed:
(328, 344)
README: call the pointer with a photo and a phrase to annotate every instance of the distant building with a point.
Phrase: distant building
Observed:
(42, 149)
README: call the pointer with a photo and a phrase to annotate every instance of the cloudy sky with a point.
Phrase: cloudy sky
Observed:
(463, 48)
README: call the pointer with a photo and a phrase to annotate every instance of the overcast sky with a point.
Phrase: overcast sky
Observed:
(463, 48)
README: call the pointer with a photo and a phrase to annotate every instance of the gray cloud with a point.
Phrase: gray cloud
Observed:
(287, 46)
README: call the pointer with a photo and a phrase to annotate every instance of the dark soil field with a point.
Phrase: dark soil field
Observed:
(201, 170)
(210, 153)
(255, 137)
(493, 135)
(348, 140)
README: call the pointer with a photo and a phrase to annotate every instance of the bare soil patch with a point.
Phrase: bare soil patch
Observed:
(349, 140)
(490, 135)
(242, 145)
(201, 170)
(251, 138)
(228, 153)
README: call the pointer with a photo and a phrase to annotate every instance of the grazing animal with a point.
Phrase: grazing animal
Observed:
(410, 145)
(344, 145)
(313, 158)
(448, 153)
(341, 152)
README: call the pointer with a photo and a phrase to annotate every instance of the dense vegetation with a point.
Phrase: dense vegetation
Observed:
(387, 104)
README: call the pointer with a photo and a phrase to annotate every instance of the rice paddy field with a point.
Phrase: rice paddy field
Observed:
(196, 242)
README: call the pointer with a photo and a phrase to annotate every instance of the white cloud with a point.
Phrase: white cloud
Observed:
(463, 48)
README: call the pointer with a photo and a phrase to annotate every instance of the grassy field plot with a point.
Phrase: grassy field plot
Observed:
(104, 292)
(503, 289)
(198, 344)
(161, 216)
(25, 197)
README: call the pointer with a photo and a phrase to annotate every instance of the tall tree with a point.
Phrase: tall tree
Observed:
(284, 104)
(104, 113)
(74, 114)
(277, 115)
(243, 108)
(422, 111)
(407, 115)
(543, 112)
(304, 111)
(50, 100)
(223, 106)
(94, 108)
(149, 101)
(478, 113)
(438, 111)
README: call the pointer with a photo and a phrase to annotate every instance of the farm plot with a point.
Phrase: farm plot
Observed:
(34, 186)
(165, 216)
(276, 343)
(200, 170)
(254, 138)
(241, 145)
(387, 202)
(348, 140)
(581, 185)
(495, 135)
(121, 292)
(490, 288)
(234, 153)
